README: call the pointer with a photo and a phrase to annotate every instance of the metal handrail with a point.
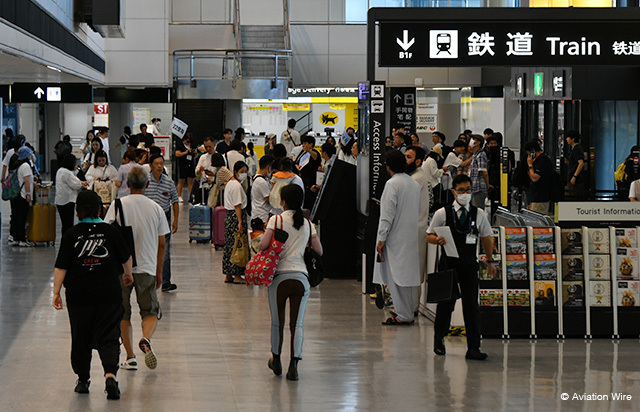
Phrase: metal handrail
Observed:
(236, 24)
(233, 56)
(286, 24)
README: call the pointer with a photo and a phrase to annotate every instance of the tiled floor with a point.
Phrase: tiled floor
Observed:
(213, 346)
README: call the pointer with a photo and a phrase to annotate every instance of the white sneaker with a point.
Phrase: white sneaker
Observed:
(150, 358)
(180, 200)
(24, 243)
(130, 364)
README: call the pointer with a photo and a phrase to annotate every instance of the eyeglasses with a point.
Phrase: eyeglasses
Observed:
(463, 191)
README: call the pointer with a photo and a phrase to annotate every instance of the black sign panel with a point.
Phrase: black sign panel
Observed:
(557, 83)
(469, 43)
(402, 102)
(51, 93)
(377, 138)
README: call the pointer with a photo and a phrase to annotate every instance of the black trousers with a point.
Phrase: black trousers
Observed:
(95, 327)
(66, 213)
(19, 209)
(468, 280)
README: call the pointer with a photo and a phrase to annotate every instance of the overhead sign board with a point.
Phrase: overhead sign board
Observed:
(51, 92)
(604, 212)
(513, 43)
(402, 102)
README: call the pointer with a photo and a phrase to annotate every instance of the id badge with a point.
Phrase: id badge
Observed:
(189, 157)
(472, 239)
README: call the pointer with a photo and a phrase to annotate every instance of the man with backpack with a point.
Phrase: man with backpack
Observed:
(540, 171)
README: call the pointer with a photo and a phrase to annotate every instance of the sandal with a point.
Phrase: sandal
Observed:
(394, 321)
(228, 279)
(238, 280)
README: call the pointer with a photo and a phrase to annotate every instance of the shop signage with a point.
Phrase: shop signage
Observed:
(427, 115)
(558, 83)
(402, 102)
(508, 43)
(51, 92)
(598, 211)
(296, 107)
(377, 128)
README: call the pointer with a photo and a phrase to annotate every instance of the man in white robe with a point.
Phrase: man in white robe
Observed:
(397, 265)
(415, 155)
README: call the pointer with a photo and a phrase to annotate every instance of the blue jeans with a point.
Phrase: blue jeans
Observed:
(292, 286)
(166, 266)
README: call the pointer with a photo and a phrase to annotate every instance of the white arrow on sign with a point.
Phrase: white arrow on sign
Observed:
(39, 92)
(405, 43)
(397, 98)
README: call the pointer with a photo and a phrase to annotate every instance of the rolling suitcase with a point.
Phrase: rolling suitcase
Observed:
(217, 229)
(41, 224)
(200, 223)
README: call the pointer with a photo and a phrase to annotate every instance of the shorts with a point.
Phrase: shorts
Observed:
(186, 171)
(145, 286)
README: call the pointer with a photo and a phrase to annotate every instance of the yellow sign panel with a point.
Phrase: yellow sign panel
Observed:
(296, 106)
(329, 118)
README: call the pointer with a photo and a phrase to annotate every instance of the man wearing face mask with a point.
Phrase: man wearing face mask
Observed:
(397, 261)
(478, 172)
(260, 189)
(415, 156)
(467, 223)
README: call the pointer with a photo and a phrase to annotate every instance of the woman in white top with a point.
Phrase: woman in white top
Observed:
(252, 159)
(67, 188)
(86, 147)
(349, 152)
(128, 161)
(101, 171)
(430, 166)
(89, 158)
(290, 281)
(235, 201)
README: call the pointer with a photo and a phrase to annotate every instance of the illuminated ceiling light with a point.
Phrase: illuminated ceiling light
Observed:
(54, 69)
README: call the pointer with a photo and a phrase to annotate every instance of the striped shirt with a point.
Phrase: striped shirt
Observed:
(164, 193)
(479, 164)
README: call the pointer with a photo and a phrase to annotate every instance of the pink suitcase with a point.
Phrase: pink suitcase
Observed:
(217, 226)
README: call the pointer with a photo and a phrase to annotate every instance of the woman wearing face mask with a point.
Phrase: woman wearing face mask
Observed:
(235, 201)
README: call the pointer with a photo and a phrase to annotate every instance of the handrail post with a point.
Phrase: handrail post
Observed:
(276, 66)
(191, 67)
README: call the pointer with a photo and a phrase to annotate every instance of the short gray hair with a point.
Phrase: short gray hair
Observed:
(138, 178)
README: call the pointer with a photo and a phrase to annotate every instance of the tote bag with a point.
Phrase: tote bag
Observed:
(126, 231)
(442, 284)
(240, 253)
(315, 272)
(263, 265)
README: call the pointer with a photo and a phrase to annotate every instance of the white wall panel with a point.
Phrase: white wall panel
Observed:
(150, 9)
(142, 35)
(186, 10)
(310, 39)
(216, 10)
(310, 70)
(309, 11)
(137, 68)
(348, 39)
(201, 37)
(347, 70)
(261, 12)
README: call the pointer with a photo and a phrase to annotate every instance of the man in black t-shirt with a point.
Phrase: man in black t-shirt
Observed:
(307, 164)
(146, 138)
(575, 161)
(540, 171)
(90, 260)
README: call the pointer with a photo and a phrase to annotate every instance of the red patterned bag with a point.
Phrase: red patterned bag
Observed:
(262, 267)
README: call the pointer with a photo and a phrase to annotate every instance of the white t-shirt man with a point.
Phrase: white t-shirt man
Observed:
(148, 222)
(292, 255)
(7, 158)
(105, 146)
(232, 157)
(25, 171)
(290, 138)
(234, 195)
(632, 189)
(260, 206)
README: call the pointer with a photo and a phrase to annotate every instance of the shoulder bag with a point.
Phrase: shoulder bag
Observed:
(263, 265)
(126, 231)
(312, 260)
(442, 285)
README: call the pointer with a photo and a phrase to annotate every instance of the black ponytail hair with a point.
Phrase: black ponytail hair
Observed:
(292, 195)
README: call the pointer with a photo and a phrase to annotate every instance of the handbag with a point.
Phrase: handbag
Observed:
(442, 284)
(126, 231)
(240, 253)
(315, 272)
(263, 265)
(104, 190)
(214, 196)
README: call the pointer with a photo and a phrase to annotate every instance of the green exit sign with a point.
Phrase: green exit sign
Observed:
(538, 82)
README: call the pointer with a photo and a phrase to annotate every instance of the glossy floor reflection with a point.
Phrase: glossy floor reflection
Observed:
(213, 346)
